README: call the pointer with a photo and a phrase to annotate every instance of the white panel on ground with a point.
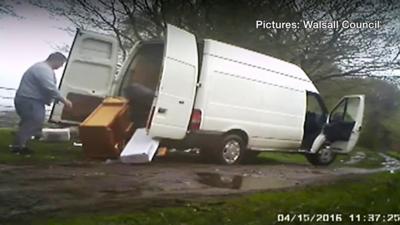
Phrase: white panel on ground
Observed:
(140, 148)
(55, 134)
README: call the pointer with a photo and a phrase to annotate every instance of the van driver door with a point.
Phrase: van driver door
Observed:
(343, 125)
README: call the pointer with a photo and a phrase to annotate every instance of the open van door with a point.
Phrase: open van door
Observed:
(347, 115)
(173, 105)
(343, 125)
(87, 76)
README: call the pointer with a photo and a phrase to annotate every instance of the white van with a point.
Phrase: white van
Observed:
(228, 101)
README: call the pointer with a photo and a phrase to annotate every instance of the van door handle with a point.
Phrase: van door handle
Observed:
(181, 102)
(162, 110)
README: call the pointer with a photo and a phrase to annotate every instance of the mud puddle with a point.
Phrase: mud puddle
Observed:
(356, 158)
(389, 164)
(241, 182)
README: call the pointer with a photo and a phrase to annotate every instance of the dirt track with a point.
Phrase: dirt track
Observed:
(97, 186)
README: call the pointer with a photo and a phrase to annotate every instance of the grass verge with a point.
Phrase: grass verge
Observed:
(44, 153)
(376, 194)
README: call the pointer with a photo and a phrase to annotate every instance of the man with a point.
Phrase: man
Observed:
(140, 100)
(37, 88)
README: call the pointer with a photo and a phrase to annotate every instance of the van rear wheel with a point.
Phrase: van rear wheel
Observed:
(323, 157)
(230, 150)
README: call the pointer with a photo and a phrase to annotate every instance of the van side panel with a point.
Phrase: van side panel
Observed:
(266, 101)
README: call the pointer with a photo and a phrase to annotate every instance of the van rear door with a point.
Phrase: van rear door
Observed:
(344, 124)
(87, 76)
(176, 91)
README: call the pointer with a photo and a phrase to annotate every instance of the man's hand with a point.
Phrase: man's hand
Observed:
(67, 103)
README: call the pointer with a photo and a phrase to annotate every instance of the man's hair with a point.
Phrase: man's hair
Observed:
(56, 56)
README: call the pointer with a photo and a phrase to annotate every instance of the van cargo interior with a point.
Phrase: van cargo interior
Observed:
(85, 103)
(141, 80)
(314, 121)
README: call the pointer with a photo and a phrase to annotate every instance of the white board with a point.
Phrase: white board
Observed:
(55, 134)
(140, 148)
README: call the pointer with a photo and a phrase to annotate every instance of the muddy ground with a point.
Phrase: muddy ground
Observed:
(112, 186)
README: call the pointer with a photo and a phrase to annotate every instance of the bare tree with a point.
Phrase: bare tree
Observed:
(129, 20)
(323, 53)
(6, 8)
(356, 52)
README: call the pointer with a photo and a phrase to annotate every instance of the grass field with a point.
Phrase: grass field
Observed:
(44, 153)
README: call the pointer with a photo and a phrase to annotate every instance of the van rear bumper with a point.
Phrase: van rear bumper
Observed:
(198, 139)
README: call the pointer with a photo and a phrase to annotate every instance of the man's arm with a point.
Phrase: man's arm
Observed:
(46, 82)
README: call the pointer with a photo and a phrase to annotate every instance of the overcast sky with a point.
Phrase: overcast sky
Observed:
(27, 40)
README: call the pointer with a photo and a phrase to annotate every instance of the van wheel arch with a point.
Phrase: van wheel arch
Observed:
(241, 133)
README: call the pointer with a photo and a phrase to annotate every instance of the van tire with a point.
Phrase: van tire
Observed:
(323, 157)
(230, 150)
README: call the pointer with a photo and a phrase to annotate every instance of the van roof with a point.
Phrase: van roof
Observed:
(225, 51)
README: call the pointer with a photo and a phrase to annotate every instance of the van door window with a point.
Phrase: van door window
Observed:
(351, 110)
(338, 113)
(342, 120)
